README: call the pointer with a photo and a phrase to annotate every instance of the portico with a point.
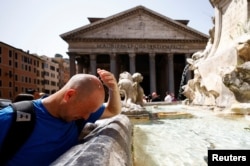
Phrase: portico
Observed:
(136, 40)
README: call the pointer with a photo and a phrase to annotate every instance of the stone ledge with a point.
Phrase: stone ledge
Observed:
(241, 108)
(108, 144)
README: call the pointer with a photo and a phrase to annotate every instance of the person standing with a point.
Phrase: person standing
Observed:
(173, 97)
(155, 97)
(168, 98)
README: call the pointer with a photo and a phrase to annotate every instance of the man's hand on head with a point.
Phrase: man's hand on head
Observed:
(108, 79)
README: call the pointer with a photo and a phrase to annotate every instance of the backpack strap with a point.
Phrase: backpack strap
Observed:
(80, 124)
(23, 123)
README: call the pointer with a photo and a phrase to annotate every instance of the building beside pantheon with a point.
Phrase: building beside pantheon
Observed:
(136, 40)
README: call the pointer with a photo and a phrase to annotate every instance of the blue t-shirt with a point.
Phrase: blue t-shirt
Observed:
(50, 139)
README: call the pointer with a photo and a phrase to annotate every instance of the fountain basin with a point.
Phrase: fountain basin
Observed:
(173, 115)
(151, 116)
(185, 141)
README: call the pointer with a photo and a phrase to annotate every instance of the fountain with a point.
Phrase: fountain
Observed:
(183, 77)
(222, 70)
(217, 108)
(185, 140)
(214, 116)
(132, 104)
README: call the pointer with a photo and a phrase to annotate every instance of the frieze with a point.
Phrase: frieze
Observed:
(140, 46)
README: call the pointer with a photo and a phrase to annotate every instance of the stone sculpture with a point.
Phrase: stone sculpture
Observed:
(238, 81)
(222, 70)
(130, 89)
(137, 78)
(227, 81)
(132, 92)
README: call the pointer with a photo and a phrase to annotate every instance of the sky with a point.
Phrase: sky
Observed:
(36, 25)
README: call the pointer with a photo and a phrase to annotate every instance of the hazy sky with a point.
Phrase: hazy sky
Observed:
(35, 25)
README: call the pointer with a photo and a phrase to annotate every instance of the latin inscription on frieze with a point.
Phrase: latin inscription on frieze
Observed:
(140, 46)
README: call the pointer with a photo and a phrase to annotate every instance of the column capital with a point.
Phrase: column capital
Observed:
(112, 55)
(92, 56)
(188, 55)
(132, 55)
(152, 54)
(170, 56)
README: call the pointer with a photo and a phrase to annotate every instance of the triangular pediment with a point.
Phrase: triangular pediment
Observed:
(135, 23)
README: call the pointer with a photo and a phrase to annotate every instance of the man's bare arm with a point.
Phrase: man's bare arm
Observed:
(113, 106)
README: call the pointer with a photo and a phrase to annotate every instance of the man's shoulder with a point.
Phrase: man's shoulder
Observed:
(6, 111)
(38, 105)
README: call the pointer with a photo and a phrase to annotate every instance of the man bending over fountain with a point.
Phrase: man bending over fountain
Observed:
(56, 129)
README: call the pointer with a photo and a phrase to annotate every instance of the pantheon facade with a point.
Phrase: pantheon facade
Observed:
(136, 40)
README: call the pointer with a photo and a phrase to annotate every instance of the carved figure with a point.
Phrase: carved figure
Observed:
(238, 81)
(243, 49)
(130, 88)
(137, 78)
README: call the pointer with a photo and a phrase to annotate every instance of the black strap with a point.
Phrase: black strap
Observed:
(22, 126)
(80, 124)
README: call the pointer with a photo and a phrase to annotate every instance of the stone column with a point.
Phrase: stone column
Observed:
(113, 67)
(188, 75)
(92, 64)
(132, 67)
(171, 73)
(72, 64)
(152, 72)
(79, 64)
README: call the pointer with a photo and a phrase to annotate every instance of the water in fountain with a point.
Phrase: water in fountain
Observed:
(185, 141)
(183, 77)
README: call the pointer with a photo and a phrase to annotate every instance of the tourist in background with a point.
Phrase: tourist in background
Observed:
(155, 97)
(168, 98)
(145, 99)
(173, 97)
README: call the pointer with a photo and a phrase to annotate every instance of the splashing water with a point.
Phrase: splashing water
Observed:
(184, 73)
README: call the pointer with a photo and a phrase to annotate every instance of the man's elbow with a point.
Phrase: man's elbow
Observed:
(115, 111)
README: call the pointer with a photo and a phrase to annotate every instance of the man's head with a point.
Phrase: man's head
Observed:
(88, 94)
(82, 95)
(154, 94)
